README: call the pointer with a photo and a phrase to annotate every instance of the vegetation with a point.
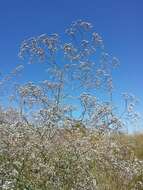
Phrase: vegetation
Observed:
(60, 134)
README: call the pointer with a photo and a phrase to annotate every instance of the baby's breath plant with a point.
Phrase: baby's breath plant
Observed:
(61, 134)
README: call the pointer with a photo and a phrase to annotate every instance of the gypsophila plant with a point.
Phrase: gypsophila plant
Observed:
(61, 134)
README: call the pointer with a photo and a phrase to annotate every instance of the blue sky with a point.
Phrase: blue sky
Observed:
(119, 22)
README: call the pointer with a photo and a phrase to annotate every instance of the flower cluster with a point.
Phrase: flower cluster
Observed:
(59, 134)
